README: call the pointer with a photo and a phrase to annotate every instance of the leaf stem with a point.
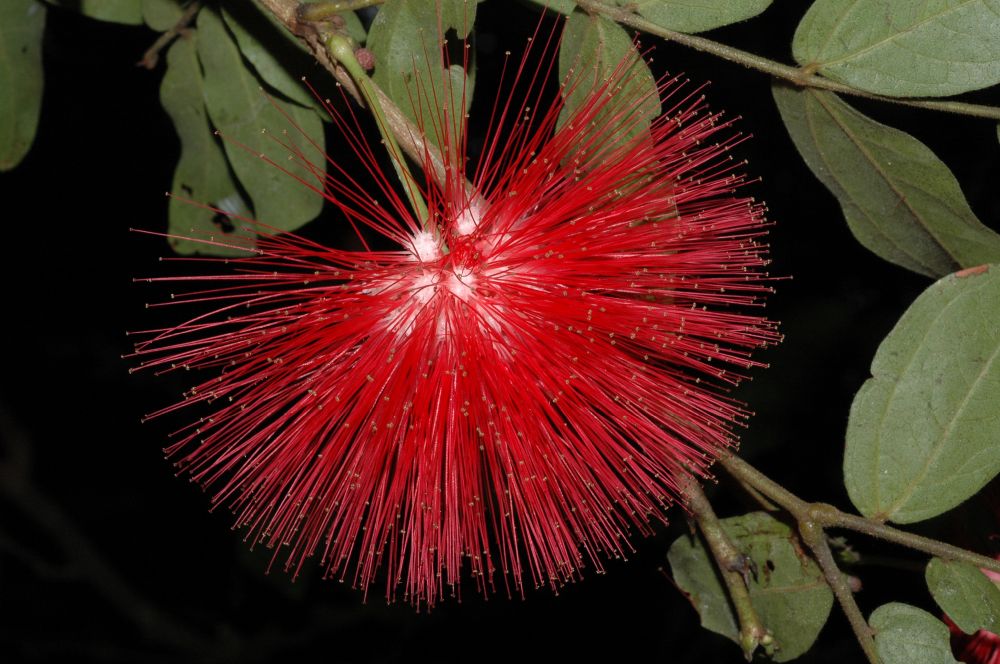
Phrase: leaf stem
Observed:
(341, 50)
(799, 76)
(152, 55)
(734, 566)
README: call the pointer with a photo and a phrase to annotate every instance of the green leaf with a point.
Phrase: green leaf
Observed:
(788, 592)
(561, 6)
(966, 594)
(242, 112)
(274, 52)
(22, 23)
(695, 15)
(405, 39)
(901, 47)
(128, 12)
(697, 577)
(352, 24)
(905, 634)
(593, 49)
(161, 15)
(900, 200)
(922, 433)
(202, 174)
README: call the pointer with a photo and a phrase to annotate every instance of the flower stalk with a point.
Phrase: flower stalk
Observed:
(341, 49)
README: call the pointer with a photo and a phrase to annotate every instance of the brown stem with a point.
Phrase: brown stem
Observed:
(815, 539)
(828, 516)
(734, 566)
(803, 77)
(152, 55)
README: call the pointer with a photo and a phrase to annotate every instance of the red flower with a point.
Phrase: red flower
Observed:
(515, 386)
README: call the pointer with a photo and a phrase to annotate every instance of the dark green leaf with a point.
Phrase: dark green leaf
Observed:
(922, 434)
(788, 592)
(161, 15)
(907, 635)
(966, 594)
(900, 200)
(593, 50)
(21, 78)
(405, 38)
(901, 47)
(695, 15)
(239, 108)
(202, 174)
(128, 12)
(275, 53)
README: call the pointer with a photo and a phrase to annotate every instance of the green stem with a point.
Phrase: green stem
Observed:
(798, 76)
(733, 565)
(320, 11)
(815, 539)
(342, 51)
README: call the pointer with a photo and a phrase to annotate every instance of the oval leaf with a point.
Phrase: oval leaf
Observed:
(561, 6)
(922, 434)
(905, 634)
(788, 592)
(901, 47)
(22, 23)
(128, 12)
(966, 594)
(161, 15)
(274, 53)
(593, 49)
(202, 174)
(695, 15)
(409, 65)
(240, 109)
(900, 200)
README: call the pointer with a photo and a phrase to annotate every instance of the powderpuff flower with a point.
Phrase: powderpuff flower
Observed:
(509, 388)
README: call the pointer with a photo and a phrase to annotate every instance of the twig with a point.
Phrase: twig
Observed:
(828, 516)
(815, 539)
(152, 55)
(798, 76)
(734, 567)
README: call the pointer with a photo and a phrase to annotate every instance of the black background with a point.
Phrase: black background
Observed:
(105, 556)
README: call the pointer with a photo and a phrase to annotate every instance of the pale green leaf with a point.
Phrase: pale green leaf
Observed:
(788, 592)
(923, 430)
(561, 6)
(405, 38)
(901, 47)
(22, 23)
(695, 15)
(594, 50)
(905, 634)
(899, 199)
(161, 15)
(274, 52)
(965, 594)
(202, 174)
(128, 12)
(252, 125)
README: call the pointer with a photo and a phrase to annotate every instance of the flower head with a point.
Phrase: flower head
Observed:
(517, 383)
